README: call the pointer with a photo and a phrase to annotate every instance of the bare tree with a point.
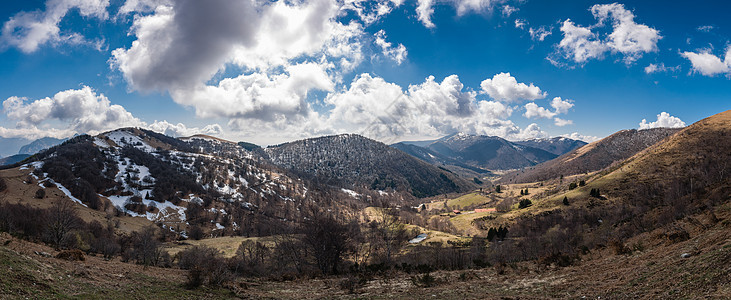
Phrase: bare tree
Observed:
(390, 231)
(62, 219)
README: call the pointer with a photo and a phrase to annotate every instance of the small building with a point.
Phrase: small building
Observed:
(456, 211)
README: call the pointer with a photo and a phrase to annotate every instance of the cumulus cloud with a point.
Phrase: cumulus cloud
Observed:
(581, 137)
(561, 122)
(27, 31)
(632, 40)
(188, 42)
(79, 111)
(258, 95)
(532, 131)
(708, 64)
(663, 120)
(504, 87)
(144, 6)
(180, 129)
(559, 105)
(532, 110)
(425, 8)
(397, 54)
(380, 109)
(84, 110)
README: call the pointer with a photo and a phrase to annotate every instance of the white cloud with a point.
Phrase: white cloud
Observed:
(465, 6)
(533, 131)
(561, 122)
(79, 111)
(532, 110)
(580, 137)
(579, 43)
(371, 11)
(28, 31)
(520, 23)
(503, 87)
(561, 106)
(258, 95)
(708, 64)
(83, 110)
(180, 129)
(383, 110)
(663, 120)
(705, 28)
(425, 8)
(509, 10)
(539, 33)
(627, 37)
(397, 54)
(660, 68)
(132, 6)
(185, 44)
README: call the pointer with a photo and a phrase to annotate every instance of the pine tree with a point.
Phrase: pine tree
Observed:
(497, 188)
(582, 183)
(565, 200)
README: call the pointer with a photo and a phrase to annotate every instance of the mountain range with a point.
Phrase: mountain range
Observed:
(481, 153)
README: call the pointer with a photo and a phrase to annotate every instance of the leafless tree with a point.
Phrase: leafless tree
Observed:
(62, 219)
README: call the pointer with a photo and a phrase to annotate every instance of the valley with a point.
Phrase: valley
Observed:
(632, 224)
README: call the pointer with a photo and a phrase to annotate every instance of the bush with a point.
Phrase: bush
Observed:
(73, 255)
(425, 280)
(40, 193)
(525, 203)
(195, 232)
(204, 265)
(565, 200)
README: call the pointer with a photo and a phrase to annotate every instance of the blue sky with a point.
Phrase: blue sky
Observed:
(274, 71)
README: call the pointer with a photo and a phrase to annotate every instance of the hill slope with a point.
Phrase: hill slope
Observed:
(593, 157)
(350, 160)
(13, 159)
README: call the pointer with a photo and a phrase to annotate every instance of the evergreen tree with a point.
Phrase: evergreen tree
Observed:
(582, 183)
(565, 200)
(497, 188)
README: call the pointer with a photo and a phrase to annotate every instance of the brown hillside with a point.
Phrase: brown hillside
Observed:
(592, 157)
(690, 166)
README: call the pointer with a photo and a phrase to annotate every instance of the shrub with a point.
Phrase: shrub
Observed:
(425, 280)
(195, 232)
(40, 193)
(565, 200)
(525, 203)
(73, 255)
(204, 265)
